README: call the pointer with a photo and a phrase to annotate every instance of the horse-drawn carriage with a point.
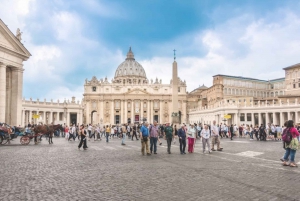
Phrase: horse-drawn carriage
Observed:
(8, 133)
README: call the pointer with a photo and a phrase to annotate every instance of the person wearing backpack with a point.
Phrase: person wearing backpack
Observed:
(291, 143)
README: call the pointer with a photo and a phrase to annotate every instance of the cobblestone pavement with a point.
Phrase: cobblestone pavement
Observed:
(245, 170)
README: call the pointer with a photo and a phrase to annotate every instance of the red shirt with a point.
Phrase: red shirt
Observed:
(66, 130)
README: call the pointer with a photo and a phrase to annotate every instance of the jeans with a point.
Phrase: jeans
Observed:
(124, 138)
(182, 143)
(291, 153)
(169, 142)
(153, 142)
(251, 134)
(107, 134)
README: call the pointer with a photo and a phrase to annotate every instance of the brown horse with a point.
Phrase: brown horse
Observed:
(46, 130)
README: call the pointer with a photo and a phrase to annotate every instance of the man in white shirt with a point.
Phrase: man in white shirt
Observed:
(235, 130)
(215, 137)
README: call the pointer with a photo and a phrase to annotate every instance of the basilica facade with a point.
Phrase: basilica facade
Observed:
(130, 97)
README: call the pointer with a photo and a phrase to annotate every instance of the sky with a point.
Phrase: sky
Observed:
(71, 41)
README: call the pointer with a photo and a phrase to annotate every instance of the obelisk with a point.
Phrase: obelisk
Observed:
(175, 111)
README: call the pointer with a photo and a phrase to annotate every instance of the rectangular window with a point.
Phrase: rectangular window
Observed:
(248, 117)
(242, 117)
(178, 89)
(117, 119)
(294, 86)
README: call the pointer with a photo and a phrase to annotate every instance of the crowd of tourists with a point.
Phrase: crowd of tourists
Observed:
(152, 134)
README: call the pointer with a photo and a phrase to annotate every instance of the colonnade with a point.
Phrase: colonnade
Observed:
(248, 117)
(107, 110)
(48, 117)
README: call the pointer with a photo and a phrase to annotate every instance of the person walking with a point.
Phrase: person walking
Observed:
(67, 132)
(205, 134)
(144, 136)
(124, 131)
(215, 137)
(72, 133)
(169, 134)
(107, 132)
(154, 133)
(231, 129)
(182, 139)
(191, 138)
(89, 130)
(134, 132)
(292, 146)
(82, 134)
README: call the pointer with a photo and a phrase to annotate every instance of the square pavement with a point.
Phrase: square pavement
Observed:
(244, 170)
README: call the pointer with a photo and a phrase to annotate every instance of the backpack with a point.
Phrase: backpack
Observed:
(287, 136)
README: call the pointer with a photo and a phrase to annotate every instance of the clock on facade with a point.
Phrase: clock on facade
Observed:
(137, 110)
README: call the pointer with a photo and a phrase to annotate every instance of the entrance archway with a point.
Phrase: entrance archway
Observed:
(94, 118)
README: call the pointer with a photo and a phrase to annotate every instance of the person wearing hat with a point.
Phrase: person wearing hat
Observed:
(169, 135)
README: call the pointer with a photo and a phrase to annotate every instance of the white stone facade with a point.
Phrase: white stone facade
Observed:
(12, 55)
(131, 97)
(67, 112)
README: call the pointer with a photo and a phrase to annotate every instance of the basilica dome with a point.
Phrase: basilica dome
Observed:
(130, 68)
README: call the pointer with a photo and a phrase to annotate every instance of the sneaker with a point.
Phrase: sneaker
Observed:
(123, 144)
(160, 143)
(155, 153)
(148, 154)
(213, 149)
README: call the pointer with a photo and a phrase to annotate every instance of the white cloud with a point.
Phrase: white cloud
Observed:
(257, 49)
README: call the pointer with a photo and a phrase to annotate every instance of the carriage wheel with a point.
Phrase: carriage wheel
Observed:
(4, 140)
(24, 140)
(1, 139)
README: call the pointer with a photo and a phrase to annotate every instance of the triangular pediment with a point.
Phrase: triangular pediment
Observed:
(9, 41)
(137, 92)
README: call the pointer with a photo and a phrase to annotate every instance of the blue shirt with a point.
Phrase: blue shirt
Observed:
(145, 131)
(181, 133)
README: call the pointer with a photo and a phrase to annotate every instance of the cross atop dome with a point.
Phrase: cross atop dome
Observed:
(130, 55)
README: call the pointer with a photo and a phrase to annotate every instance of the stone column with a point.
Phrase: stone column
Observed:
(112, 113)
(68, 119)
(132, 111)
(51, 118)
(274, 119)
(44, 117)
(2, 92)
(161, 112)
(142, 110)
(122, 112)
(151, 111)
(267, 118)
(16, 95)
(125, 111)
(281, 120)
(288, 115)
(259, 119)
(252, 119)
(30, 116)
(148, 112)
(236, 116)
(23, 118)
(100, 110)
